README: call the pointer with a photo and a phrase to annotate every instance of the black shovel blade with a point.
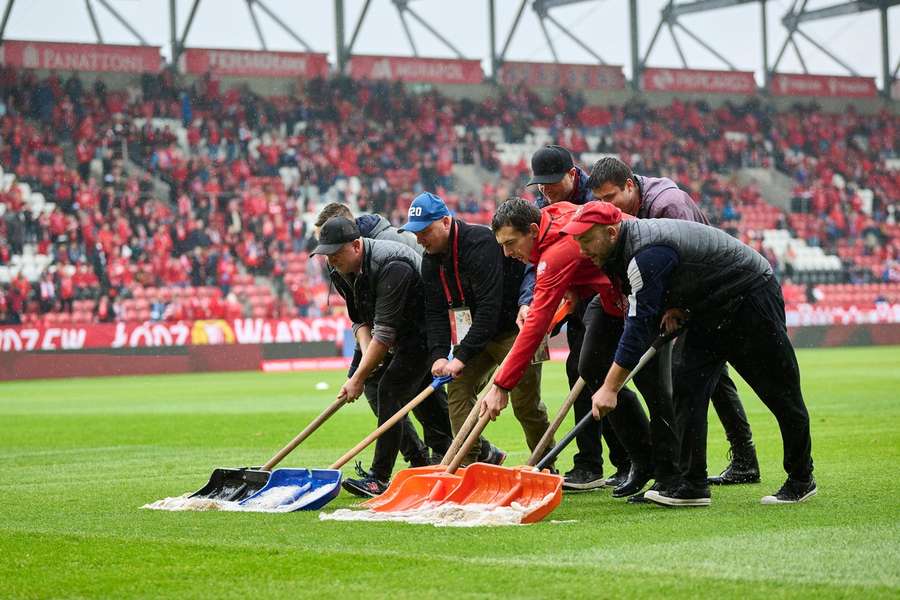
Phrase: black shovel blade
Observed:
(233, 485)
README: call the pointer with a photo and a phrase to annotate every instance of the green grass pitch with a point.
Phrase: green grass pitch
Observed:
(80, 457)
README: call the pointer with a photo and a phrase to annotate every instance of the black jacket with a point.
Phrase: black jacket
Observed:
(490, 285)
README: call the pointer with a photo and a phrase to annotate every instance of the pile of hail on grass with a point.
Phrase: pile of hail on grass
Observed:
(441, 514)
(286, 498)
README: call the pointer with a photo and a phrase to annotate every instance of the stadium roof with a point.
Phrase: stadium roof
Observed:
(817, 36)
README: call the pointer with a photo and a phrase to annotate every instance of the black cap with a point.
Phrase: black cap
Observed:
(550, 164)
(334, 233)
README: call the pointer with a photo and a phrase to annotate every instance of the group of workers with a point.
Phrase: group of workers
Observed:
(634, 257)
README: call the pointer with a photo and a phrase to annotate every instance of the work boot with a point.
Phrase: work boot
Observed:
(792, 492)
(367, 486)
(742, 468)
(582, 480)
(638, 477)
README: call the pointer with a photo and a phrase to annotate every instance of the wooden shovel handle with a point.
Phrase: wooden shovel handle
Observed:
(460, 437)
(384, 427)
(469, 443)
(317, 422)
(554, 426)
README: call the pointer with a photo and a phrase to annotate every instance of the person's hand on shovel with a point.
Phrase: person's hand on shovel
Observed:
(351, 390)
(495, 401)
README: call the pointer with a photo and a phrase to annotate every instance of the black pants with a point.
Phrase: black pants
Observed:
(388, 389)
(652, 444)
(754, 340)
(727, 402)
(590, 449)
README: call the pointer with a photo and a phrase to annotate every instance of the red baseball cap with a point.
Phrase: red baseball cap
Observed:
(590, 214)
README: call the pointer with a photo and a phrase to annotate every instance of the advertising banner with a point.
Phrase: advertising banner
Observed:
(253, 63)
(424, 70)
(107, 58)
(553, 75)
(823, 86)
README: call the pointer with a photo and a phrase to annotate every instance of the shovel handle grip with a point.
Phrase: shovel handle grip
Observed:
(317, 422)
(395, 418)
(557, 421)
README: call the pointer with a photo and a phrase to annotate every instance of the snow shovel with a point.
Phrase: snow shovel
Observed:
(236, 484)
(389, 495)
(304, 489)
(533, 490)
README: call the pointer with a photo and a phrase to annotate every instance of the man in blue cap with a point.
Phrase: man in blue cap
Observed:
(472, 296)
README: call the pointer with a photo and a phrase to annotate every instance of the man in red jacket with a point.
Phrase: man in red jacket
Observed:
(534, 236)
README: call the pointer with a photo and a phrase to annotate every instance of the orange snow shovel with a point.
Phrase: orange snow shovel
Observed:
(538, 492)
(432, 481)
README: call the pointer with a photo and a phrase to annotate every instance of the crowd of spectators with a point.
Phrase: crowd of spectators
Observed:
(245, 174)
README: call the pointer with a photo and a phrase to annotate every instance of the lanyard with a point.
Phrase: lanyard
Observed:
(455, 258)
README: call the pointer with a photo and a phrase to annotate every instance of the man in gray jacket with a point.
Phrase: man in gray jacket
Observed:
(736, 314)
(611, 180)
(374, 227)
(381, 283)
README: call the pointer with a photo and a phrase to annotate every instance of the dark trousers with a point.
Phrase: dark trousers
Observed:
(590, 448)
(656, 442)
(727, 402)
(754, 340)
(388, 389)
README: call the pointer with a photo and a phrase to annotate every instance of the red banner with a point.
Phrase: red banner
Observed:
(828, 86)
(694, 80)
(182, 333)
(80, 57)
(425, 70)
(254, 63)
(553, 75)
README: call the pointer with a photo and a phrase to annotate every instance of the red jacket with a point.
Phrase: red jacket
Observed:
(560, 267)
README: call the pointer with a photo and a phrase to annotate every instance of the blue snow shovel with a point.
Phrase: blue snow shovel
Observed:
(288, 490)
(239, 484)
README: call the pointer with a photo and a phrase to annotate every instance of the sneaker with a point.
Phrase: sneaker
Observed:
(792, 492)
(496, 456)
(582, 480)
(742, 467)
(619, 477)
(683, 495)
(642, 498)
(367, 486)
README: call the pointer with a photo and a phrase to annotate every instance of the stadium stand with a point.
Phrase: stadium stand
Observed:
(169, 202)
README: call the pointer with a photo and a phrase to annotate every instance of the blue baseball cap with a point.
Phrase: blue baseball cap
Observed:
(425, 210)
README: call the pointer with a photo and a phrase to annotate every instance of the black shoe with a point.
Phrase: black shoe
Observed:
(436, 458)
(496, 456)
(641, 498)
(792, 492)
(367, 486)
(684, 495)
(619, 477)
(420, 460)
(638, 477)
(582, 480)
(742, 468)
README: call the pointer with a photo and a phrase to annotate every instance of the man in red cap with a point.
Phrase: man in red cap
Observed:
(611, 180)
(736, 315)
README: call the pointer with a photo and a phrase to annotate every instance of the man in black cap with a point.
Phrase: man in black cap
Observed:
(381, 283)
(611, 180)
(560, 180)
(376, 227)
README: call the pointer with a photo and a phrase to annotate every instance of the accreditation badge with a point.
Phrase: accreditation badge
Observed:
(460, 324)
(542, 354)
